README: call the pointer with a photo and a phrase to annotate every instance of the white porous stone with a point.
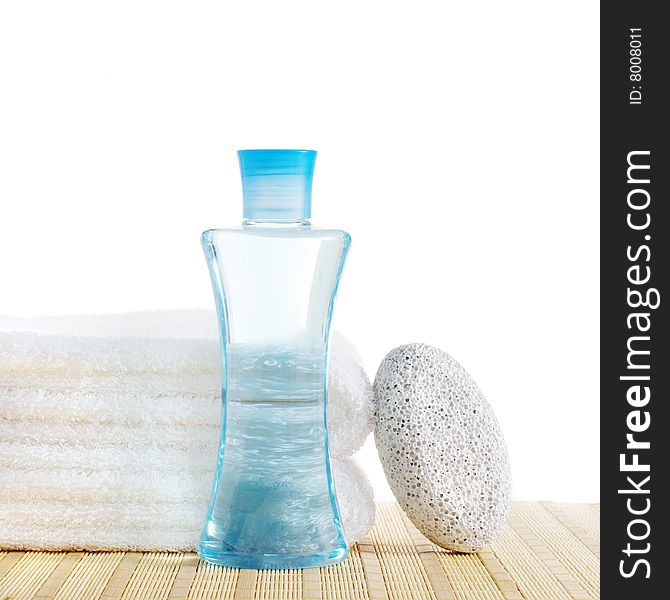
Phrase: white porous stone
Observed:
(442, 449)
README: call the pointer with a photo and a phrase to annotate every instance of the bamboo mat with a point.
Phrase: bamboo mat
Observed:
(547, 551)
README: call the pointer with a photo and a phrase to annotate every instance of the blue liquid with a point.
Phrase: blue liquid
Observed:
(273, 504)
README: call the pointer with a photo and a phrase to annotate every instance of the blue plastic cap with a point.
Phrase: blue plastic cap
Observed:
(277, 184)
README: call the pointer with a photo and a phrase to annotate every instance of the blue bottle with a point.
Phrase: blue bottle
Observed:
(273, 505)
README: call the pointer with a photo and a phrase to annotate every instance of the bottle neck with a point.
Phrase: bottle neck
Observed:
(276, 223)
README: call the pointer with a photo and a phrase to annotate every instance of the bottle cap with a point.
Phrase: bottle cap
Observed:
(277, 184)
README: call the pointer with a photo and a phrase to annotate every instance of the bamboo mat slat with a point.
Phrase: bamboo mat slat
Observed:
(547, 551)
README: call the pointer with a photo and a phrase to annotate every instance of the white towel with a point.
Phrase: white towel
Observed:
(109, 430)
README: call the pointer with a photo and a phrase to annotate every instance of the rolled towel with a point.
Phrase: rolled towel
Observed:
(102, 437)
(355, 498)
(350, 399)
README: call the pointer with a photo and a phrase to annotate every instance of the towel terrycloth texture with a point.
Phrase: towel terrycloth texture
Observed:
(109, 430)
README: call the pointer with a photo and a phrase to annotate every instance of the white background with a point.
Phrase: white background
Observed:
(458, 144)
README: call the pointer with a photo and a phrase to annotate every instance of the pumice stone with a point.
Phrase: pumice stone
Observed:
(441, 447)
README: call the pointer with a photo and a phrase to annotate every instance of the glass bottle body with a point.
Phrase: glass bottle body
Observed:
(273, 504)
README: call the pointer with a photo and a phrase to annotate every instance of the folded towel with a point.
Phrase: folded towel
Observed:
(149, 509)
(42, 359)
(109, 431)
